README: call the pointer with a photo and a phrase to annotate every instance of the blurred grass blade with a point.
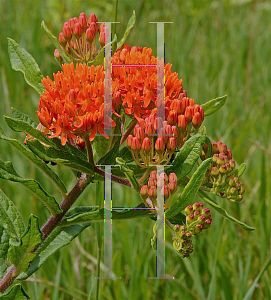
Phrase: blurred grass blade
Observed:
(130, 25)
(214, 205)
(22, 61)
(16, 293)
(190, 190)
(49, 34)
(11, 219)
(214, 105)
(249, 293)
(34, 159)
(8, 173)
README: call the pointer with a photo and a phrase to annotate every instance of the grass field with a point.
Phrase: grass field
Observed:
(217, 47)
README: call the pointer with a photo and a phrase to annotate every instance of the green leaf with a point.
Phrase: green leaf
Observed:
(60, 156)
(241, 169)
(34, 159)
(53, 39)
(21, 256)
(10, 218)
(7, 172)
(210, 146)
(99, 215)
(110, 157)
(22, 61)
(4, 245)
(128, 172)
(99, 59)
(16, 293)
(130, 25)
(125, 154)
(60, 237)
(18, 115)
(222, 211)
(190, 190)
(214, 105)
(188, 155)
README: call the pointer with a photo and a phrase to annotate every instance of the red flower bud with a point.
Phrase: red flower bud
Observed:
(83, 21)
(173, 186)
(214, 171)
(205, 211)
(214, 148)
(172, 117)
(146, 145)
(189, 114)
(158, 124)
(67, 31)
(229, 154)
(103, 39)
(144, 192)
(197, 206)
(189, 210)
(201, 219)
(150, 130)
(152, 182)
(172, 176)
(153, 174)
(80, 142)
(135, 145)
(207, 224)
(129, 141)
(72, 22)
(182, 123)
(62, 40)
(160, 146)
(191, 102)
(190, 219)
(165, 192)
(77, 30)
(222, 147)
(90, 33)
(162, 134)
(197, 120)
(223, 169)
(171, 145)
(57, 56)
(152, 192)
(175, 131)
(92, 18)
(139, 133)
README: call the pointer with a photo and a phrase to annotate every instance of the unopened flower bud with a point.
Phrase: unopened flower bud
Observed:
(83, 21)
(207, 224)
(223, 169)
(182, 123)
(135, 145)
(159, 146)
(90, 33)
(171, 145)
(77, 30)
(152, 192)
(232, 163)
(229, 154)
(146, 145)
(139, 133)
(150, 130)
(67, 32)
(239, 198)
(214, 171)
(129, 141)
(233, 191)
(198, 228)
(172, 176)
(215, 158)
(205, 211)
(189, 210)
(152, 182)
(190, 219)
(222, 147)
(153, 174)
(172, 117)
(72, 22)
(62, 40)
(165, 192)
(197, 206)
(201, 219)
(144, 192)
(214, 148)
(173, 186)
(197, 120)
(92, 18)
(242, 190)
(189, 114)
(174, 131)
(58, 56)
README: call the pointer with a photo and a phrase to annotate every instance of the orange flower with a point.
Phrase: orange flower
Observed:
(135, 77)
(73, 104)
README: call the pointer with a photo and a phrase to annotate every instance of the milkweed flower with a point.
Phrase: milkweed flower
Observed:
(134, 74)
(73, 104)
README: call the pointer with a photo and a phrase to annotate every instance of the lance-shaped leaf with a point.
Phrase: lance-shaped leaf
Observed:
(23, 117)
(59, 156)
(10, 218)
(99, 59)
(188, 155)
(60, 237)
(99, 215)
(8, 173)
(21, 256)
(22, 61)
(110, 157)
(128, 173)
(125, 154)
(16, 293)
(241, 169)
(130, 25)
(53, 39)
(188, 194)
(4, 245)
(214, 105)
(222, 211)
(34, 159)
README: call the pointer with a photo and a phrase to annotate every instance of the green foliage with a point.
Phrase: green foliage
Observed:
(16, 293)
(21, 256)
(128, 172)
(22, 61)
(7, 172)
(4, 245)
(10, 219)
(214, 105)
(188, 194)
(130, 25)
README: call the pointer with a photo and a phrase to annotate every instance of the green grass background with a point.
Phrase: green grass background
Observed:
(217, 47)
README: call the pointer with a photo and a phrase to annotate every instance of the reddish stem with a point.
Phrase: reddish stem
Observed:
(128, 131)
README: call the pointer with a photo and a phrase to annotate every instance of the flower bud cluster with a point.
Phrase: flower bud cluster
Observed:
(78, 38)
(225, 183)
(153, 142)
(197, 219)
(161, 183)
(183, 116)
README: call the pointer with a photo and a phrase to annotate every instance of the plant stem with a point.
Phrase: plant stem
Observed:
(89, 150)
(145, 175)
(128, 131)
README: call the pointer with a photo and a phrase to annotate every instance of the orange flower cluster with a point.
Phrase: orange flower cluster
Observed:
(73, 104)
(135, 77)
